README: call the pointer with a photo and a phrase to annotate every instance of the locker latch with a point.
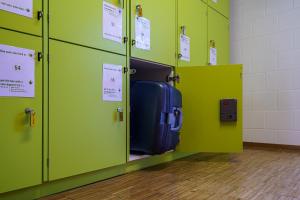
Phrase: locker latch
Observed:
(40, 15)
(139, 11)
(32, 117)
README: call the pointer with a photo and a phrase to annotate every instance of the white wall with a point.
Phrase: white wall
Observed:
(265, 37)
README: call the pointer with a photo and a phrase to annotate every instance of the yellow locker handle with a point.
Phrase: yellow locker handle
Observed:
(212, 44)
(121, 114)
(32, 117)
(139, 11)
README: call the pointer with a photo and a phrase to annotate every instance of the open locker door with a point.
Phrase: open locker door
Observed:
(202, 89)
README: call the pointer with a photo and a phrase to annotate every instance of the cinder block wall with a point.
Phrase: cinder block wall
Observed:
(265, 37)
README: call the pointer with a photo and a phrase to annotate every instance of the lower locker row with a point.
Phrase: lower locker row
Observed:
(85, 132)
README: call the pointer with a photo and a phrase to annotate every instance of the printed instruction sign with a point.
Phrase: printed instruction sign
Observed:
(17, 68)
(142, 33)
(20, 7)
(213, 56)
(112, 82)
(185, 43)
(112, 22)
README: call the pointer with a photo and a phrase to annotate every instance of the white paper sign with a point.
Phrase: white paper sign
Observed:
(213, 56)
(215, 1)
(112, 82)
(112, 22)
(142, 33)
(185, 42)
(17, 68)
(20, 7)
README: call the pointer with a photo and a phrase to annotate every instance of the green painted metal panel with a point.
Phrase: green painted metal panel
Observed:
(218, 31)
(21, 145)
(21, 23)
(162, 16)
(193, 15)
(85, 133)
(202, 89)
(222, 6)
(80, 22)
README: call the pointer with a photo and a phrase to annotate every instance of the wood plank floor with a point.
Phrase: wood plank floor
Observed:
(256, 174)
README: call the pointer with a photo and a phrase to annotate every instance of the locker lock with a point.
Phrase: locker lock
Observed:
(32, 117)
(139, 11)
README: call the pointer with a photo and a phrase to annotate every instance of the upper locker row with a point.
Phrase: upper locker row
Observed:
(83, 25)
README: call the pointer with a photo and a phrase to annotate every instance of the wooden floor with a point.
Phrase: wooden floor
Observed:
(256, 174)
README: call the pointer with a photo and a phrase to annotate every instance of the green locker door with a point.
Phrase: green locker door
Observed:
(20, 144)
(218, 33)
(202, 89)
(222, 6)
(85, 133)
(80, 22)
(192, 15)
(162, 17)
(23, 18)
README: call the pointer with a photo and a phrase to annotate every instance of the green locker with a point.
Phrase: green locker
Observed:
(222, 6)
(21, 144)
(202, 129)
(85, 132)
(25, 17)
(81, 23)
(218, 36)
(192, 19)
(162, 17)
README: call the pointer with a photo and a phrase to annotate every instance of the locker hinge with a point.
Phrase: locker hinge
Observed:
(125, 40)
(133, 42)
(48, 18)
(40, 56)
(48, 58)
(48, 162)
(175, 78)
(125, 70)
(131, 71)
(40, 15)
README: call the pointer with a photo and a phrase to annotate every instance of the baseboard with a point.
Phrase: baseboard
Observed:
(271, 146)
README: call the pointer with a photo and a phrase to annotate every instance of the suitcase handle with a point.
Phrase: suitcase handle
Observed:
(176, 116)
